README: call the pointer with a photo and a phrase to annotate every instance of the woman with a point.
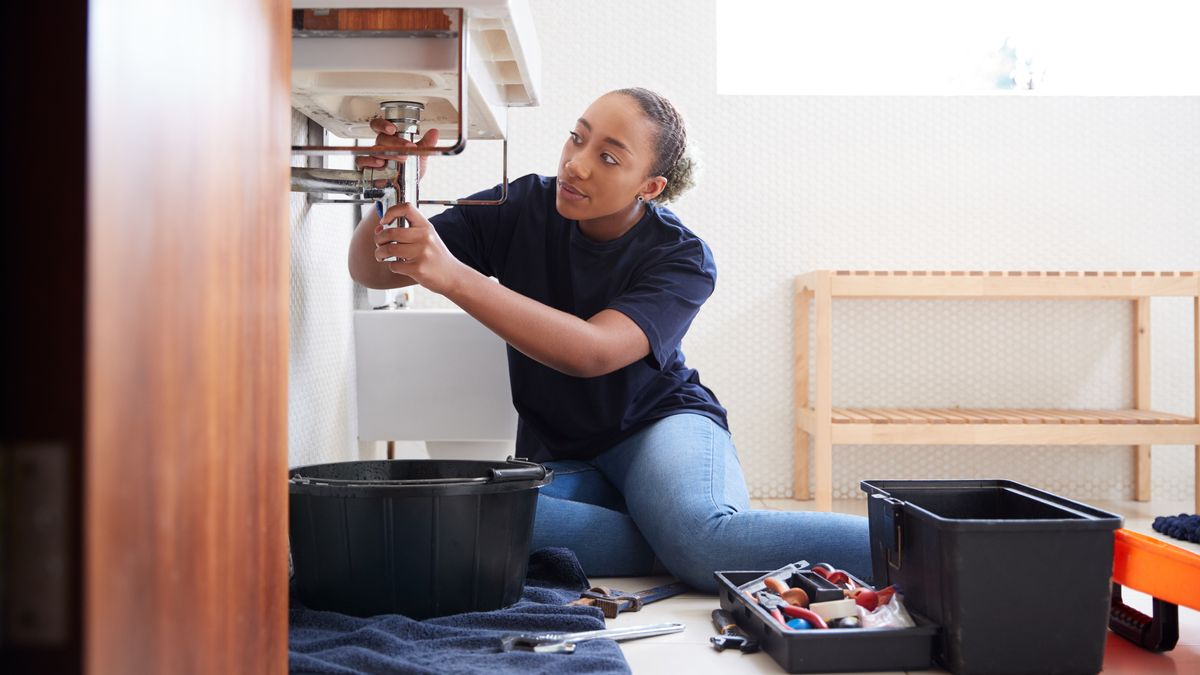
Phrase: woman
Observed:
(598, 285)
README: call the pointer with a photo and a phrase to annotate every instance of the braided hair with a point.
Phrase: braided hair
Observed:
(672, 161)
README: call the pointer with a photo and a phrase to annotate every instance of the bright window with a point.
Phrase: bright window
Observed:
(922, 47)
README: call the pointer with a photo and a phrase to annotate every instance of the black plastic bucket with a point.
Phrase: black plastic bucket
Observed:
(422, 538)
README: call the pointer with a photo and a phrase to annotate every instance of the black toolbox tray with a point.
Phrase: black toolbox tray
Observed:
(834, 650)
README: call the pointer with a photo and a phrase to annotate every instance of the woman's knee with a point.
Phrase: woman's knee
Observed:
(694, 570)
(684, 473)
(620, 551)
(693, 556)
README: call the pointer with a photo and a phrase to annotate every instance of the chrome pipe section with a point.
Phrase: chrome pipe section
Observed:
(341, 181)
(344, 201)
(406, 116)
(370, 183)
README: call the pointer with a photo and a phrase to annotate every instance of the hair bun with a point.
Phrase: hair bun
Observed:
(680, 178)
(671, 158)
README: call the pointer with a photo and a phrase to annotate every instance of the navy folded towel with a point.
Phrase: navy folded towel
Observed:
(1182, 526)
(328, 642)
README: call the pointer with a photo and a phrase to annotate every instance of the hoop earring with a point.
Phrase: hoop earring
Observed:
(640, 199)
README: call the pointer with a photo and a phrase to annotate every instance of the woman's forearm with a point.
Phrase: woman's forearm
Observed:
(549, 336)
(556, 339)
(602, 344)
(364, 268)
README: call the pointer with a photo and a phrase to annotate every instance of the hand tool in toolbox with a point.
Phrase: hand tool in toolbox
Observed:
(612, 601)
(777, 607)
(564, 643)
(730, 635)
(838, 649)
(818, 583)
(1168, 573)
(824, 596)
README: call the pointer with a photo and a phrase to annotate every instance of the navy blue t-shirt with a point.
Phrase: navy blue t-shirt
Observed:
(658, 274)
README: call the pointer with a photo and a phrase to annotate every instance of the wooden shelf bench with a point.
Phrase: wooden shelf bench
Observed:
(820, 426)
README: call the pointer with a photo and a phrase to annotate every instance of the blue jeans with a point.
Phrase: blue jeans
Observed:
(672, 498)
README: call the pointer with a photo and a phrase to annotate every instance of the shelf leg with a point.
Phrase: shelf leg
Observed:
(800, 454)
(1196, 392)
(824, 466)
(823, 438)
(1141, 392)
(1141, 467)
(800, 477)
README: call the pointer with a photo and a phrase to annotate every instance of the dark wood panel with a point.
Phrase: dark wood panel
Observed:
(41, 403)
(186, 397)
(398, 19)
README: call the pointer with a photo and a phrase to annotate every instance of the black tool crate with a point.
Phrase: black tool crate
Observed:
(831, 650)
(1017, 578)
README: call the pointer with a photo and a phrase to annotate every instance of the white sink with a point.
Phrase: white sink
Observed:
(431, 375)
(340, 81)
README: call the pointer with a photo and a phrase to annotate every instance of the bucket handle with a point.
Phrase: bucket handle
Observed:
(299, 479)
(524, 470)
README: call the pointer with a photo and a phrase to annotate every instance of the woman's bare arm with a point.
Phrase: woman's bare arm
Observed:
(599, 345)
(364, 268)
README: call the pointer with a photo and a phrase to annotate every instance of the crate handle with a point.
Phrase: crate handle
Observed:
(893, 537)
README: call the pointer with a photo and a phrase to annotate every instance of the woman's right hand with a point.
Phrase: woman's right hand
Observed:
(387, 137)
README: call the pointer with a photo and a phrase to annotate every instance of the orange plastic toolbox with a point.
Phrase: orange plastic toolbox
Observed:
(1169, 573)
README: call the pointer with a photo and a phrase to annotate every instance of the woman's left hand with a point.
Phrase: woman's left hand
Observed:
(420, 253)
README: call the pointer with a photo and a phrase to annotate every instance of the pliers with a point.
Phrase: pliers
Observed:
(777, 607)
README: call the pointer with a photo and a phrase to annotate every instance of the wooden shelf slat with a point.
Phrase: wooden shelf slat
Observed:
(1058, 417)
(1010, 426)
(1004, 416)
(1000, 284)
(892, 416)
(946, 414)
(1016, 273)
(1048, 416)
(1152, 417)
(968, 416)
(918, 416)
(1087, 418)
(877, 416)
(907, 416)
(844, 415)
(990, 416)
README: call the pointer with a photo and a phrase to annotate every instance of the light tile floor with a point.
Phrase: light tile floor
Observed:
(690, 652)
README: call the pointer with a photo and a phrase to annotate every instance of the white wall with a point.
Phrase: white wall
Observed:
(800, 183)
(321, 393)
